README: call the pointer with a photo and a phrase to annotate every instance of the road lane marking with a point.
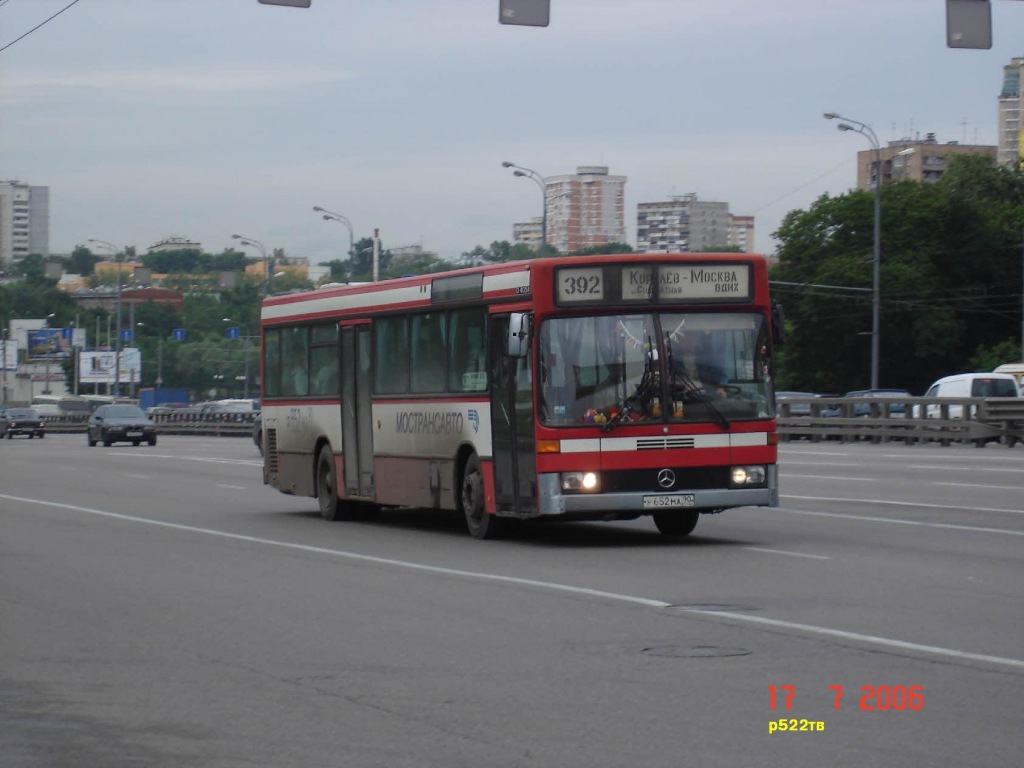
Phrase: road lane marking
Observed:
(791, 554)
(981, 485)
(972, 469)
(550, 586)
(787, 475)
(232, 487)
(885, 502)
(886, 642)
(892, 521)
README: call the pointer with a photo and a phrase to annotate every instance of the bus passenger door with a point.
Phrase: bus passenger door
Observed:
(356, 417)
(512, 419)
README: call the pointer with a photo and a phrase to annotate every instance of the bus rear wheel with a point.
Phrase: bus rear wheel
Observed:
(481, 525)
(676, 523)
(331, 507)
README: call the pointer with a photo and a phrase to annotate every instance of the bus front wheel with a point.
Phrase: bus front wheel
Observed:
(480, 524)
(676, 523)
(331, 507)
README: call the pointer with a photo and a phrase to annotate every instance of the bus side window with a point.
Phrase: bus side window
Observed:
(391, 351)
(467, 350)
(428, 352)
(295, 362)
(323, 360)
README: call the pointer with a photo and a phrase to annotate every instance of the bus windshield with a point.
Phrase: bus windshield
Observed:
(654, 368)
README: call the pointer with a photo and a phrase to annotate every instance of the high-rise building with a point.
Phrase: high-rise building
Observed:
(683, 224)
(24, 221)
(585, 209)
(1010, 108)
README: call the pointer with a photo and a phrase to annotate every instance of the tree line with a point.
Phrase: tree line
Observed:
(952, 255)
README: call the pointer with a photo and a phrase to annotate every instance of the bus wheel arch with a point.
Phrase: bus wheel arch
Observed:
(326, 479)
(471, 500)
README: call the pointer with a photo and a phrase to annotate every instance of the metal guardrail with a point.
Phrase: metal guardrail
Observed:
(186, 423)
(945, 420)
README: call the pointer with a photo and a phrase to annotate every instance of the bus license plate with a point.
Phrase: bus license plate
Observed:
(675, 500)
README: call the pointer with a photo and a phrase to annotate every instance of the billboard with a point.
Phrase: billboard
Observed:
(49, 343)
(98, 367)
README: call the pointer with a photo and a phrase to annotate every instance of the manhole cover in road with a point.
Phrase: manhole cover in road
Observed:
(693, 651)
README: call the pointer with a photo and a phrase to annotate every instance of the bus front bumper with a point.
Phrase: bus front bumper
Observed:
(555, 502)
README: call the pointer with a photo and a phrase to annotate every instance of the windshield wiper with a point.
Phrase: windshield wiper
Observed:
(693, 388)
(643, 390)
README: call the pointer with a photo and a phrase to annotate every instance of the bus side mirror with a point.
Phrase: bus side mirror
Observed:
(518, 334)
(778, 325)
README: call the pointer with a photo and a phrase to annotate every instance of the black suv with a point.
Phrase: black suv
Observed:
(120, 423)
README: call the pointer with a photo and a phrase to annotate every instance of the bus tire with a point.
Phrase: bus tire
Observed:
(480, 524)
(331, 507)
(676, 523)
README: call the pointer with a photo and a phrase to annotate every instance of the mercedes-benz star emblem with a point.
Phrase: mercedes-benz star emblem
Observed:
(666, 478)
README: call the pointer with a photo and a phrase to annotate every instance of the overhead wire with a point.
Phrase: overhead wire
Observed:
(37, 26)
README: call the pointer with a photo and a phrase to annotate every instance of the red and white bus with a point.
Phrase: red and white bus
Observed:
(571, 388)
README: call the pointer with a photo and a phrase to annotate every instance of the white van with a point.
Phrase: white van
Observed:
(1016, 370)
(968, 385)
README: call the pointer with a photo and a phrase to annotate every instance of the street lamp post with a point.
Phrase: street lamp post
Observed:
(245, 337)
(49, 352)
(876, 279)
(117, 340)
(3, 361)
(263, 253)
(527, 173)
(331, 216)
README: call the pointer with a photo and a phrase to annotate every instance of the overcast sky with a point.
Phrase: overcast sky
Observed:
(150, 119)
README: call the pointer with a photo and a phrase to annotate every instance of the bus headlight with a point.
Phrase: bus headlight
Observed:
(745, 477)
(581, 482)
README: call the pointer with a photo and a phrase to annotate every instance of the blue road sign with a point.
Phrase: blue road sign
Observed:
(233, 332)
(178, 334)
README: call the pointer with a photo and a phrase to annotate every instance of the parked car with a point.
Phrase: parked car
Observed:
(120, 423)
(864, 409)
(22, 421)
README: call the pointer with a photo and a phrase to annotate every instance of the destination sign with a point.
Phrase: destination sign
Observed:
(658, 283)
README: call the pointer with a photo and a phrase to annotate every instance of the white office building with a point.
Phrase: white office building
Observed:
(24, 221)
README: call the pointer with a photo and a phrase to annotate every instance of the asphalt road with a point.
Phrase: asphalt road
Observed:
(160, 607)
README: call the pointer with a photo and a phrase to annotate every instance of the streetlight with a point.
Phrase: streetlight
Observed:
(245, 331)
(331, 216)
(117, 341)
(876, 281)
(263, 252)
(46, 326)
(527, 173)
(3, 360)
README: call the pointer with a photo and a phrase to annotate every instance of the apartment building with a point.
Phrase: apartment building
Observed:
(24, 221)
(1010, 103)
(683, 223)
(914, 159)
(585, 209)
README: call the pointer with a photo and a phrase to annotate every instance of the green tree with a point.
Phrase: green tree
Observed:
(950, 277)
(82, 261)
